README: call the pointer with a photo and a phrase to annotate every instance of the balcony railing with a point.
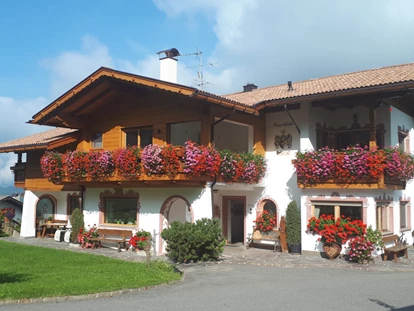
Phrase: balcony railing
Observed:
(355, 168)
(19, 170)
(153, 163)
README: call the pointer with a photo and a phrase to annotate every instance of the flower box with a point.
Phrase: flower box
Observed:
(355, 168)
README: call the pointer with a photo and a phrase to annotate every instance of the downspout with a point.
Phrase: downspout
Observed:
(297, 127)
(82, 188)
(212, 142)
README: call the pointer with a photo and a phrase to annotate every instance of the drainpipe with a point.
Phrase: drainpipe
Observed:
(82, 188)
(212, 142)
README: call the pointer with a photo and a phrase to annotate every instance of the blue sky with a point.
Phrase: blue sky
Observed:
(48, 46)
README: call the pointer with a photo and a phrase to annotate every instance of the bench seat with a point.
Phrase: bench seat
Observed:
(395, 247)
(119, 236)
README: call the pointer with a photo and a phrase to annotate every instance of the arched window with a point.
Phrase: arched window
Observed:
(45, 207)
(270, 207)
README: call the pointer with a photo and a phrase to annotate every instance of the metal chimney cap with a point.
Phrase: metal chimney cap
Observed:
(290, 86)
(170, 53)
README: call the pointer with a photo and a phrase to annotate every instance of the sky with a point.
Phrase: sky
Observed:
(46, 47)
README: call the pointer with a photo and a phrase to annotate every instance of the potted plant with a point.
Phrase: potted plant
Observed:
(49, 219)
(293, 234)
(78, 224)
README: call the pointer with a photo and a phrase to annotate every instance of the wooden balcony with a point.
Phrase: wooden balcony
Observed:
(382, 183)
(19, 171)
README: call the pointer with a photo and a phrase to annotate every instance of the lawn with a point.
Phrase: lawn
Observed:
(32, 272)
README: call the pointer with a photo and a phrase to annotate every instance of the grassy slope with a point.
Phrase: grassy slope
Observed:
(30, 272)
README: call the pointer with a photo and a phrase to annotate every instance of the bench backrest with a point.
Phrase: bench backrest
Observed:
(391, 239)
(115, 233)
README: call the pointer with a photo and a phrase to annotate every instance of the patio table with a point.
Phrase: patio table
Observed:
(53, 226)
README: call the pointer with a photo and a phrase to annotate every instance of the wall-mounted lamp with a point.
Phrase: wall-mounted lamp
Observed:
(158, 131)
(355, 118)
(250, 206)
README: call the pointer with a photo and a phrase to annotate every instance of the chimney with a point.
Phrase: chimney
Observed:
(290, 87)
(168, 65)
(249, 87)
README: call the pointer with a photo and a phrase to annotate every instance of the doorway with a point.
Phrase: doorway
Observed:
(235, 223)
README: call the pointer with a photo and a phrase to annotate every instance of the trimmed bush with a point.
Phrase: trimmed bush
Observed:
(199, 241)
(293, 224)
(77, 222)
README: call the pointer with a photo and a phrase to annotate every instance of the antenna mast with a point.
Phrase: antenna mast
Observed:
(199, 81)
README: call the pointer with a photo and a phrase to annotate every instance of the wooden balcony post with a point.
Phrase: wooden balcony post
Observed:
(372, 134)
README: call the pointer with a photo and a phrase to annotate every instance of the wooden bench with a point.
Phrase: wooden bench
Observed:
(119, 236)
(273, 239)
(394, 248)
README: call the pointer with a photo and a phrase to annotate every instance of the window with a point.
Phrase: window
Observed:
(383, 217)
(351, 210)
(403, 139)
(122, 211)
(404, 216)
(182, 132)
(138, 137)
(96, 140)
(45, 207)
(270, 207)
(73, 201)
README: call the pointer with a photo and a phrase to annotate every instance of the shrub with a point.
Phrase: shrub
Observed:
(293, 224)
(199, 241)
(77, 222)
(375, 237)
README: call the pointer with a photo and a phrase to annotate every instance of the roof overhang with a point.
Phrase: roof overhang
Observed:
(51, 144)
(100, 85)
(381, 90)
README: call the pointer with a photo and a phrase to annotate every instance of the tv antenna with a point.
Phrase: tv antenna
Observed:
(199, 81)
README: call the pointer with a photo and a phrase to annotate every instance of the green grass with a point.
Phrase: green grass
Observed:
(32, 272)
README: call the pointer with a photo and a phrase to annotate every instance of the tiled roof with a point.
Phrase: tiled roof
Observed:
(40, 139)
(343, 82)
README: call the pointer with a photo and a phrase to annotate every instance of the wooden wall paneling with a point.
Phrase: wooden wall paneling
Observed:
(159, 134)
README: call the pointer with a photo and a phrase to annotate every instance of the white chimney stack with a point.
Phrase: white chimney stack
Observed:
(168, 65)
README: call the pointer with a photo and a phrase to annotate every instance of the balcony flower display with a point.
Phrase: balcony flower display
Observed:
(51, 164)
(201, 160)
(399, 165)
(160, 160)
(76, 163)
(127, 162)
(247, 167)
(229, 166)
(353, 165)
(252, 167)
(101, 165)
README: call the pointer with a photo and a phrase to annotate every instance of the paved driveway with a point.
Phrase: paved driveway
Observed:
(249, 287)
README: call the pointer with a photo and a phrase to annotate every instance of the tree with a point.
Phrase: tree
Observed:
(77, 222)
(293, 224)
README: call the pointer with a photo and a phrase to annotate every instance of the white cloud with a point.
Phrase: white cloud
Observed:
(71, 67)
(16, 113)
(270, 42)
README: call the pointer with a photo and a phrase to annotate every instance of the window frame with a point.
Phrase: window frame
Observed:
(182, 122)
(117, 193)
(337, 207)
(380, 206)
(137, 130)
(68, 197)
(407, 208)
(403, 139)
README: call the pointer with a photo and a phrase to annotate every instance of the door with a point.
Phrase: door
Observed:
(234, 223)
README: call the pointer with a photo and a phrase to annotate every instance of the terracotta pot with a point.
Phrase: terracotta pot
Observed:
(332, 250)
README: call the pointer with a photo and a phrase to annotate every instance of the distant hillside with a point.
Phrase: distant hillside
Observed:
(9, 190)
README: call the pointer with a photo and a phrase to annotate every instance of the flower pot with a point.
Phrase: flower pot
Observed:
(295, 249)
(332, 250)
